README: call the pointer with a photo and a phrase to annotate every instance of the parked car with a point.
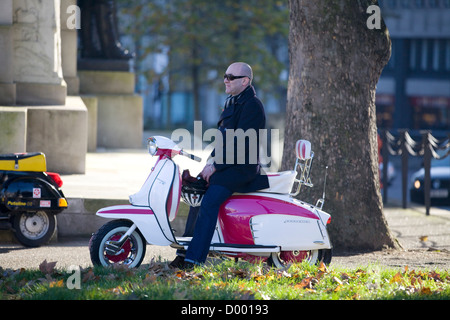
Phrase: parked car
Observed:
(440, 183)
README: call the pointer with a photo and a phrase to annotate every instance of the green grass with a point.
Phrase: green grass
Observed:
(226, 280)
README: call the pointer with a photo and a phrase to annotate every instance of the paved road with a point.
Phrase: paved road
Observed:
(407, 225)
(66, 252)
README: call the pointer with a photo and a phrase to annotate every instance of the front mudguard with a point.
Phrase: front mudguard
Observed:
(143, 217)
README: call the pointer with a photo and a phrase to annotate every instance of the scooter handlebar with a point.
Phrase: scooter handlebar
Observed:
(190, 156)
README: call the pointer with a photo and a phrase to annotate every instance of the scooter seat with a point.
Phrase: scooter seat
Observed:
(23, 162)
(280, 182)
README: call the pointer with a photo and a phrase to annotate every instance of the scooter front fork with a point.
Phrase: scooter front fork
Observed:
(113, 247)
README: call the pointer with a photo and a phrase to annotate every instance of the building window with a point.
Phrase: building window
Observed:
(414, 44)
(433, 3)
(385, 105)
(436, 51)
(420, 4)
(447, 55)
(431, 112)
(429, 55)
(424, 55)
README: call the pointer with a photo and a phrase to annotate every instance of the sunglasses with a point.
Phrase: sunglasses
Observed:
(230, 77)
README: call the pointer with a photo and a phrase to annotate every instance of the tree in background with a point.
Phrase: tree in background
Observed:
(335, 64)
(201, 38)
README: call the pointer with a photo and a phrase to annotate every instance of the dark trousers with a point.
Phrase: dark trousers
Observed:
(205, 221)
(190, 226)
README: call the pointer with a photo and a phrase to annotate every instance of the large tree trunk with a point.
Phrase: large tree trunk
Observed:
(335, 64)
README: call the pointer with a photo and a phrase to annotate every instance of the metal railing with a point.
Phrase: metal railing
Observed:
(404, 145)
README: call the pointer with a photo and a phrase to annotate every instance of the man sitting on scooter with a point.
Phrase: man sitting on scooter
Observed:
(242, 110)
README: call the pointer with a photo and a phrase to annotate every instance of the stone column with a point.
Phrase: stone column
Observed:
(36, 115)
(37, 53)
(69, 45)
(7, 86)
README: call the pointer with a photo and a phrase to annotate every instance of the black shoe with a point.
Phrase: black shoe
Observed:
(187, 266)
(178, 262)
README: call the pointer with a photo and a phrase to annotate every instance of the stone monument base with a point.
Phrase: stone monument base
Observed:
(59, 131)
(29, 94)
(119, 109)
(13, 129)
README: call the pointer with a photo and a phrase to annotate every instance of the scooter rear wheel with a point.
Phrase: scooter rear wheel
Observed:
(132, 252)
(281, 259)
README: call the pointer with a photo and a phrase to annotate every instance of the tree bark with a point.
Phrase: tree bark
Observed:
(335, 64)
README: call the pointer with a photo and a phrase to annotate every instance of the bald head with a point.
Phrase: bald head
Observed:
(242, 69)
(245, 74)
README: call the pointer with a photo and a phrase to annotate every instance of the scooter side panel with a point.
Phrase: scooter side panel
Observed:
(142, 217)
(290, 232)
(159, 198)
(236, 212)
(173, 201)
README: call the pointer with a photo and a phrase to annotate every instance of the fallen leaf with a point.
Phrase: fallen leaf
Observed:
(307, 283)
(425, 290)
(435, 276)
(396, 278)
(415, 280)
(58, 284)
(240, 273)
(89, 276)
(47, 267)
(360, 271)
(119, 290)
(150, 278)
(345, 276)
(323, 267)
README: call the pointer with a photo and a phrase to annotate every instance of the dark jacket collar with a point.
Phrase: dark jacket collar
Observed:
(242, 97)
(231, 101)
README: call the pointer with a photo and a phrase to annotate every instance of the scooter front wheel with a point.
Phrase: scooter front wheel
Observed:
(130, 254)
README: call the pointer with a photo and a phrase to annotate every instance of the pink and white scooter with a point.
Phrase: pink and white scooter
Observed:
(269, 224)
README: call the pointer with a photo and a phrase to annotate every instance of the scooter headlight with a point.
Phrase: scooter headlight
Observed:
(151, 145)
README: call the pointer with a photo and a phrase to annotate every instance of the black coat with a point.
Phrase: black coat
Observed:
(240, 171)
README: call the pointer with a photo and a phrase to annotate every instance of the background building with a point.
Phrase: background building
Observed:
(413, 91)
(414, 88)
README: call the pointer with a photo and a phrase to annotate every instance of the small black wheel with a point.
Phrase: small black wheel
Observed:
(34, 229)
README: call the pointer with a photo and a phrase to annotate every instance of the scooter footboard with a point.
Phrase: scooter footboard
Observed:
(290, 232)
(144, 219)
